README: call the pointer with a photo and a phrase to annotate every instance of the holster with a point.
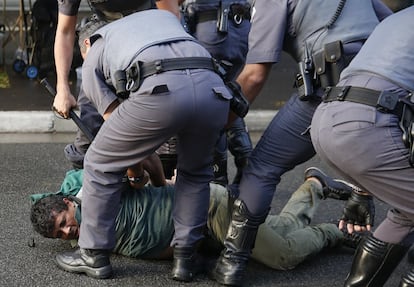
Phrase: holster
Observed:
(227, 10)
(407, 125)
(238, 103)
(110, 10)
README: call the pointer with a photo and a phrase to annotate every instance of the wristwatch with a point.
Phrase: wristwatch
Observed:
(136, 179)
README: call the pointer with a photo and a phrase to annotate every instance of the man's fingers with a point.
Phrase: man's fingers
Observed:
(59, 113)
(359, 228)
(341, 224)
(350, 228)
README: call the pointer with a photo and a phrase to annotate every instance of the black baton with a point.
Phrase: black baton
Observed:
(72, 114)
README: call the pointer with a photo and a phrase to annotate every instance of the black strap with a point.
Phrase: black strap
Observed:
(240, 10)
(384, 101)
(164, 65)
(205, 16)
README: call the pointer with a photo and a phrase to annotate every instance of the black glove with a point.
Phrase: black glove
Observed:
(359, 210)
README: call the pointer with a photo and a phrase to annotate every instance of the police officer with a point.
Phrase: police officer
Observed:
(107, 10)
(321, 36)
(364, 129)
(222, 27)
(169, 86)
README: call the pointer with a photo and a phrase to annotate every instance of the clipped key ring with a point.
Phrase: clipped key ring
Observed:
(237, 18)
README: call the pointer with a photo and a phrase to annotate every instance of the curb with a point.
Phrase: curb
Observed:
(47, 122)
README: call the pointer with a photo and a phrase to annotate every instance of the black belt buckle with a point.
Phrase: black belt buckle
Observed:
(387, 102)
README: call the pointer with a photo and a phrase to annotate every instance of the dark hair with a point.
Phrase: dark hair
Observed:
(43, 213)
(86, 28)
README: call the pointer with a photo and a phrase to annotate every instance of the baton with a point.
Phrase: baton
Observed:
(72, 114)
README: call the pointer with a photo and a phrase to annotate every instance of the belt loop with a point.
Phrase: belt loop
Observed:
(325, 95)
(158, 66)
(341, 96)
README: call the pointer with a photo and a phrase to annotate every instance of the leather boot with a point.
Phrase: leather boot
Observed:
(94, 263)
(187, 263)
(408, 279)
(238, 244)
(373, 262)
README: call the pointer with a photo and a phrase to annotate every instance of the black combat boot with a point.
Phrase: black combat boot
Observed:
(373, 263)
(408, 279)
(238, 244)
(94, 263)
(187, 263)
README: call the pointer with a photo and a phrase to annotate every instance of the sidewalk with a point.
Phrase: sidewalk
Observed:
(46, 122)
(26, 108)
(25, 105)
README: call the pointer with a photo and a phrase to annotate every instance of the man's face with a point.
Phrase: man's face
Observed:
(66, 226)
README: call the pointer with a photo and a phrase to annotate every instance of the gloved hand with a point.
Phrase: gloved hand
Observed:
(358, 213)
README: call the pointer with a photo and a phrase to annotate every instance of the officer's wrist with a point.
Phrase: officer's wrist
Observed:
(136, 179)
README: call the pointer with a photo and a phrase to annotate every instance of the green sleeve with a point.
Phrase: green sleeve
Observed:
(71, 185)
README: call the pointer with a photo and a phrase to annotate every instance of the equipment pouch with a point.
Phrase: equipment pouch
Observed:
(304, 82)
(223, 16)
(189, 18)
(133, 76)
(304, 79)
(329, 64)
(407, 126)
(238, 104)
(120, 84)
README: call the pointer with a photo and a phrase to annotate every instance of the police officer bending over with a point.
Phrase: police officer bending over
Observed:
(107, 10)
(364, 129)
(171, 88)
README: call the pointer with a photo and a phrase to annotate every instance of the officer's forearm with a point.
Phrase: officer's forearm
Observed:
(252, 79)
(63, 48)
(153, 165)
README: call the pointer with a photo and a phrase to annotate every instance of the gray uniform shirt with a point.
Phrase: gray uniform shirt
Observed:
(98, 66)
(394, 61)
(267, 41)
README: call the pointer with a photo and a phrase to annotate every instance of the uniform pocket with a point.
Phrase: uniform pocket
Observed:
(222, 93)
(354, 118)
(160, 89)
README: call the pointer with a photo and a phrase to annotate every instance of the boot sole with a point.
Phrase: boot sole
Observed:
(226, 281)
(98, 273)
(182, 276)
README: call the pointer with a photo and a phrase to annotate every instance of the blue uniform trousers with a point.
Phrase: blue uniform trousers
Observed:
(284, 144)
(192, 104)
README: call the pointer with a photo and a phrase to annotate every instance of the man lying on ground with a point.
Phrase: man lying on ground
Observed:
(144, 225)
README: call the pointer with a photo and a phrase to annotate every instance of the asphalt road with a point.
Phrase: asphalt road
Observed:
(36, 164)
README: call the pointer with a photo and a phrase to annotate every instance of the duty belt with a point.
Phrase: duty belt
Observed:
(141, 70)
(384, 101)
(237, 12)
(164, 65)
